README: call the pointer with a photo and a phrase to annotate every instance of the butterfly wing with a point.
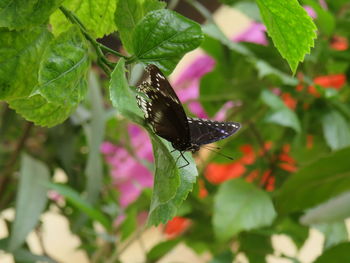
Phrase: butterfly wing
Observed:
(206, 131)
(163, 110)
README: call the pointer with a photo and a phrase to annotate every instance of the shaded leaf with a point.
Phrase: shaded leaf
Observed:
(339, 253)
(255, 246)
(19, 73)
(38, 110)
(123, 99)
(224, 257)
(336, 130)
(129, 13)
(19, 14)
(171, 185)
(162, 37)
(25, 256)
(240, 206)
(290, 27)
(62, 74)
(280, 114)
(161, 249)
(333, 210)
(335, 233)
(30, 201)
(97, 16)
(325, 178)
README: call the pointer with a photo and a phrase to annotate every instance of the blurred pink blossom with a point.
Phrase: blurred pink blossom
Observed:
(311, 12)
(187, 84)
(129, 176)
(255, 33)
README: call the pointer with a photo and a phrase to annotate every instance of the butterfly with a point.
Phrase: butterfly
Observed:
(164, 112)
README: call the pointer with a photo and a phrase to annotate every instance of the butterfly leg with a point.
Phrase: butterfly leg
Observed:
(187, 162)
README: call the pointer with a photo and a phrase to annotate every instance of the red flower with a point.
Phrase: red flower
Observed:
(309, 141)
(313, 91)
(339, 43)
(289, 100)
(252, 176)
(336, 81)
(176, 226)
(202, 190)
(288, 167)
(218, 173)
(248, 154)
(270, 186)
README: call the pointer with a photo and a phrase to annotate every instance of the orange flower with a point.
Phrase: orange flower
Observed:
(288, 167)
(252, 176)
(202, 190)
(339, 43)
(309, 141)
(299, 87)
(248, 154)
(286, 148)
(289, 100)
(284, 157)
(336, 81)
(218, 173)
(270, 184)
(313, 91)
(176, 226)
(265, 177)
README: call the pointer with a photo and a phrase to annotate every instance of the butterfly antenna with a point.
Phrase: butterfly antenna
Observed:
(219, 153)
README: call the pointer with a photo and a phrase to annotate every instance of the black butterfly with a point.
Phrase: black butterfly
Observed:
(163, 110)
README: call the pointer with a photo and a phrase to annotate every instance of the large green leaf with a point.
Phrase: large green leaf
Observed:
(171, 185)
(280, 114)
(122, 97)
(62, 74)
(339, 253)
(129, 13)
(38, 110)
(313, 184)
(31, 199)
(333, 210)
(20, 56)
(161, 249)
(20, 14)
(240, 206)
(94, 131)
(290, 27)
(97, 16)
(336, 130)
(162, 37)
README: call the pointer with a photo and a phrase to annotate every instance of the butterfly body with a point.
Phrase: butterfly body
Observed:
(164, 112)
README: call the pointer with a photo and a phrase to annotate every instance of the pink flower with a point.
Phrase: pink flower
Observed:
(129, 176)
(254, 34)
(311, 12)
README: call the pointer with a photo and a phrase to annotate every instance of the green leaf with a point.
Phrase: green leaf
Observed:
(240, 206)
(123, 99)
(336, 130)
(325, 178)
(19, 14)
(97, 16)
(161, 249)
(62, 74)
(162, 37)
(339, 253)
(30, 200)
(20, 56)
(335, 233)
(255, 246)
(333, 210)
(129, 13)
(38, 110)
(290, 27)
(94, 130)
(129, 224)
(290, 227)
(76, 200)
(25, 256)
(171, 185)
(224, 257)
(280, 114)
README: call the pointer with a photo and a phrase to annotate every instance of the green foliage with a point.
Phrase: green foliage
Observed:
(162, 37)
(291, 154)
(31, 199)
(290, 28)
(240, 206)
